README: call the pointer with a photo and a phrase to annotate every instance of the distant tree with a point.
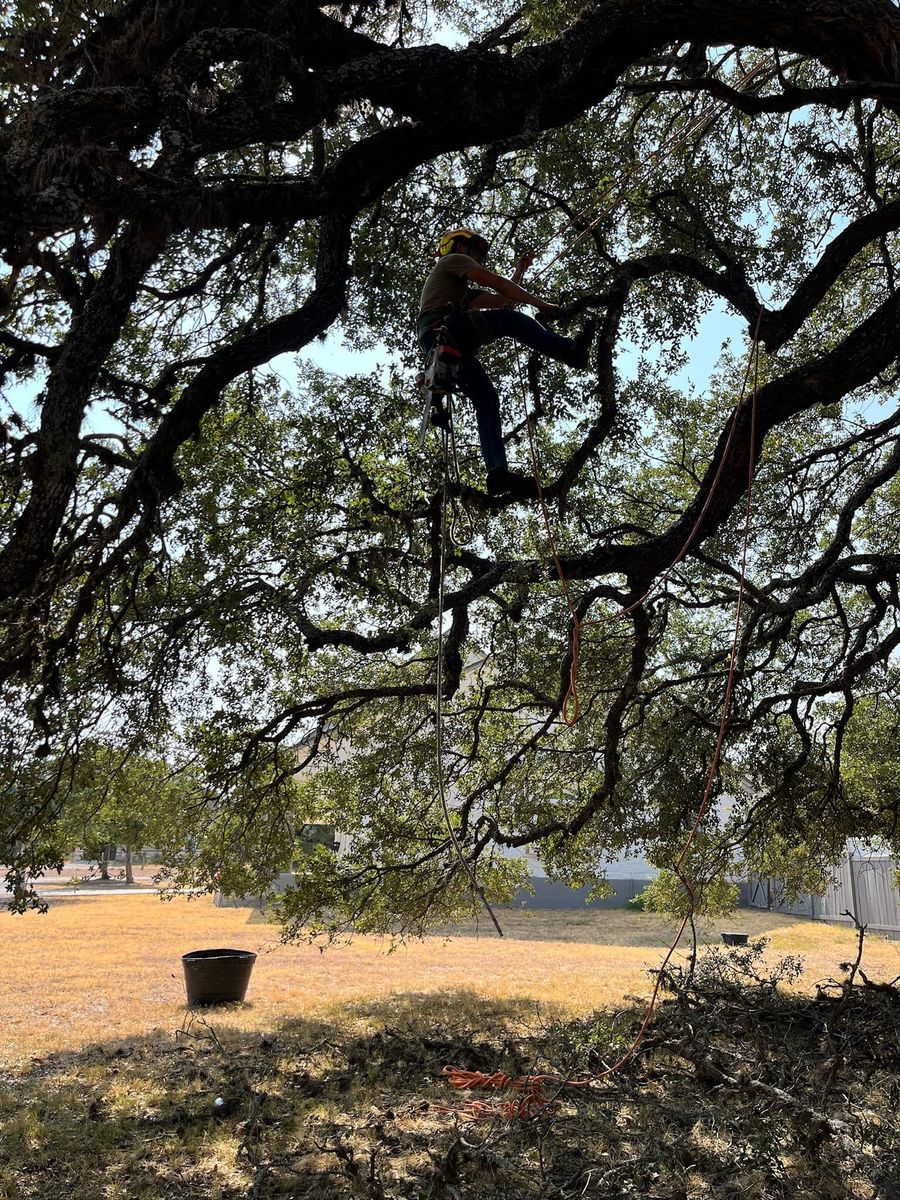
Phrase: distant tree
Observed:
(221, 551)
(120, 798)
(99, 851)
(668, 894)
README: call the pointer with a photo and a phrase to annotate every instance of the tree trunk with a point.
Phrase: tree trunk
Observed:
(129, 873)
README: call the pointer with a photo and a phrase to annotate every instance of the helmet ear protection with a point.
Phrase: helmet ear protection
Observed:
(475, 241)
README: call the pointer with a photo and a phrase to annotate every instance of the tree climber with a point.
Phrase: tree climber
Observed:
(474, 318)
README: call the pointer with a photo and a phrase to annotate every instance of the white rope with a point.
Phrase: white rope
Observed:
(439, 696)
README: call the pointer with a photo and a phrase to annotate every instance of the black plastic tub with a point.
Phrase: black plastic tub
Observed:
(735, 939)
(217, 976)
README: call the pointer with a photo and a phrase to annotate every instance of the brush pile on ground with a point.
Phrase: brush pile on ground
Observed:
(739, 1088)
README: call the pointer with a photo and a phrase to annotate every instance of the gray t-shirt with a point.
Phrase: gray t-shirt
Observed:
(446, 284)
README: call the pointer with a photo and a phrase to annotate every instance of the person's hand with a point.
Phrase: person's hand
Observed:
(525, 261)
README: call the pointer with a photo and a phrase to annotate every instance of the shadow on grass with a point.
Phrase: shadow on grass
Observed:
(345, 1105)
(210, 1110)
(597, 927)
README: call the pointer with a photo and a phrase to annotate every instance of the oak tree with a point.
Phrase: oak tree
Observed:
(216, 548)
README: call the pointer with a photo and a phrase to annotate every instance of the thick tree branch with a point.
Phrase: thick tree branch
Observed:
(75, 370)
(789, 99)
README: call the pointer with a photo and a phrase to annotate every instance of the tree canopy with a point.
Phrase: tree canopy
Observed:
(216, 550)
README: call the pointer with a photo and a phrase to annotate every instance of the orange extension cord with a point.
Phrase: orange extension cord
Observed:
(531, 1091)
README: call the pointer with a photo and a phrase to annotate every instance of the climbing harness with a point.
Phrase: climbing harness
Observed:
(442, 366)
(438, 380)
(437, 385)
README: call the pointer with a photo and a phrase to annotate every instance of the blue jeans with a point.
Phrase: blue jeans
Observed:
(474, 381)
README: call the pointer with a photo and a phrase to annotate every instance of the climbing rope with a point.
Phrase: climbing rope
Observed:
(571, 708)
(460, 516)
(532, 1096)
(449, 455)
(616, 192)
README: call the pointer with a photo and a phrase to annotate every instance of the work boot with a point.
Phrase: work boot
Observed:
(581, 345)
(502, 480)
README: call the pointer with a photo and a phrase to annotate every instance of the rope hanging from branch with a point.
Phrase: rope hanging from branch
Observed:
(532, 1095)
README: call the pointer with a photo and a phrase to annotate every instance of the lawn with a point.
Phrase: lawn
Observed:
(109, 968)
(328, 1083)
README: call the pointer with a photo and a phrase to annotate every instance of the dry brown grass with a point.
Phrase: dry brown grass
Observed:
(103, 969)
(330, 1078)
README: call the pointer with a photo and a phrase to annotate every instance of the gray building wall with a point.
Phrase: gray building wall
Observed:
(548, 894)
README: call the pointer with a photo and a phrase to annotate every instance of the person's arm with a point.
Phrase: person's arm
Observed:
(489, 300)
(506, 287)
(525, 261)
(492, 299)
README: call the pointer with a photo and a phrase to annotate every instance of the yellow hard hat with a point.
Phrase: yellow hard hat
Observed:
(448, 240)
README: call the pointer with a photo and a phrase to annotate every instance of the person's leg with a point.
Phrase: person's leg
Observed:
(475, 383)
(507, 322)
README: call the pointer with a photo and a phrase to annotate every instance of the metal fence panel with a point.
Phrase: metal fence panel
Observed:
(863, 885)
(878, 899)
(839, 896)
(769, 894)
